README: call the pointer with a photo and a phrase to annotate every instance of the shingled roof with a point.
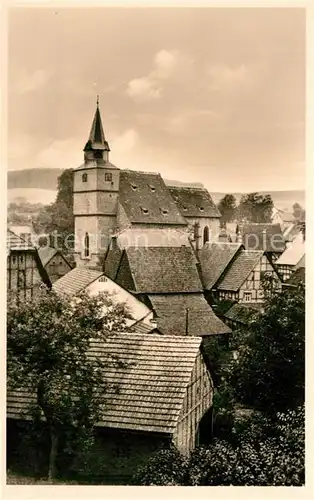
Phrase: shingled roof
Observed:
(243, 313)
(163, 269)
(186, 314)
(46, 253)
(15, 242)
(76, 280)
(194, 201)
(293, 254)
(239, 270)
(147, 390)
(214, 259)
(267, 237)
(297, 277)
(146, 199)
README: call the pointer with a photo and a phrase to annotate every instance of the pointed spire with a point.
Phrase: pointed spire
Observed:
(97, 140)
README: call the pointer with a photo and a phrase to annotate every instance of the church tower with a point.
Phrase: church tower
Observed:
(95, 198)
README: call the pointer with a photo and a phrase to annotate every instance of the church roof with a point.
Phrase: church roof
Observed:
(163, 269)
(96, 138)
(147, 200)
(194, 201)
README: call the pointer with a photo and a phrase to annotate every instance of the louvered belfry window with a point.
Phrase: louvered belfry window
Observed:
(86, 245)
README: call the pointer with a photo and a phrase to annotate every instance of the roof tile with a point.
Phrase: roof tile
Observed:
(194, 202)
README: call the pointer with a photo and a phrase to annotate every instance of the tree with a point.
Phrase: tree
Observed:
(48, 352)
(266, 453)
(256, 207)
(227, 207)
(269, 372)
(58, 217)
(298, 212)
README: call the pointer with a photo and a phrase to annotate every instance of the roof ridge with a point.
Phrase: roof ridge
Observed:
(139, 172)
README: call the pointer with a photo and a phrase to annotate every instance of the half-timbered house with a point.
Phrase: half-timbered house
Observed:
(242, 280)
(292, 258)
(25, 272)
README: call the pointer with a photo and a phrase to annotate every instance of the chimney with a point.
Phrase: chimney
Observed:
(114, 242)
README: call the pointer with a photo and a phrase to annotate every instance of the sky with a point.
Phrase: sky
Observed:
(206, 95)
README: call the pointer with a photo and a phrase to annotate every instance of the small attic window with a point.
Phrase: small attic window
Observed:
(144, 210)
(108, 177)
(134, 187)
(201, 209)
(164, 211)
(184, 208)
(152, 188)
(84, 178)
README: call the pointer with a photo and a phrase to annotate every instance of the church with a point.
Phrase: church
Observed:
(109, 201)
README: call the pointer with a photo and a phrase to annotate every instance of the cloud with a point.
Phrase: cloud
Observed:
(33, 82)
(167, 65)
(226, 78)
(125, 142)
(60, 154)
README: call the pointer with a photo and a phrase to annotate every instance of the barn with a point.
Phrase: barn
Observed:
(160, 395)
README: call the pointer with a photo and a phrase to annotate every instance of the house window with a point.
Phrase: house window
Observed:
(13, 260)
(86, 245)
(21, 279)
(164, 211)
(21, 259)
(108, 177)
(152, 188)
(201, 209)
(84, 178)
(247, 296)
(134, 187)
(144, 210)
(206, 234)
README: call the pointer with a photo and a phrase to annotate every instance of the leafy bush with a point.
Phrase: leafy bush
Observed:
(167, 467)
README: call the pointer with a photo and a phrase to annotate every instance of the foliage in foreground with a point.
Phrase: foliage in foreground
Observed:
(263, 453)
(48, 353)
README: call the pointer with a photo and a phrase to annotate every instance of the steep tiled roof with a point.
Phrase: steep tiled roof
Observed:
(146, 199)
(267, 237)
(112, 261)
(174, 319)
(239, 270)
(293, 254)
(194, 202)
(46, 254)
(242, 313)
(214, 259)
(163, 270)
(147, 389)
(15, 242)
(76, 280)
(96, 138)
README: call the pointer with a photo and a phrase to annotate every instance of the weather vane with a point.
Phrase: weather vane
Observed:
(97, 102)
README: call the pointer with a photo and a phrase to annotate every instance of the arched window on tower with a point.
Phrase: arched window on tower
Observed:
(86, 245)
(206, 234)
(84, 178)
(108, 177)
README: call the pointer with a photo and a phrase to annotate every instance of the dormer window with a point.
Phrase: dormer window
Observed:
(201, 209)
(164, 211)
(184, 208)
(84, 178)
(108, 177)
(144, 210)
(152, 188)
(134, 187)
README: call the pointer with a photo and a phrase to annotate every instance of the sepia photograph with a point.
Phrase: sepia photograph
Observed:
(155, 246)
